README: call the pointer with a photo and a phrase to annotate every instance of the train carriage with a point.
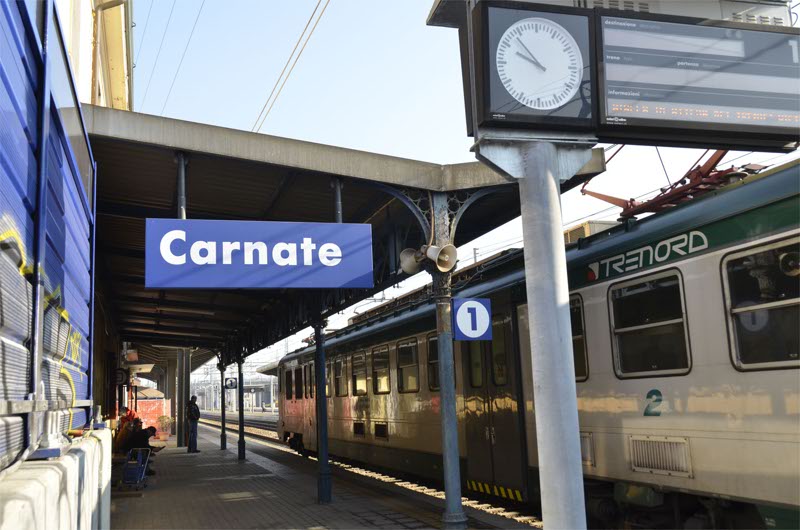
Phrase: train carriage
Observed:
(685, 338)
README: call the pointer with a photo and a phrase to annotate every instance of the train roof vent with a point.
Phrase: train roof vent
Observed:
(662, 455)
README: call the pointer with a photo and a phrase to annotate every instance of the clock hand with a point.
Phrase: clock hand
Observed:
(534, 60)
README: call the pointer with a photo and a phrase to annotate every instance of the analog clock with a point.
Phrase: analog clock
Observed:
(539, 63)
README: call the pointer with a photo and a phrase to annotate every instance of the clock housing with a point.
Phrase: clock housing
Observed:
(502, 98)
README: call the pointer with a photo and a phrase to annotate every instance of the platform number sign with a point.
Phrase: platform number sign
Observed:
(472, 319)
(230, 383)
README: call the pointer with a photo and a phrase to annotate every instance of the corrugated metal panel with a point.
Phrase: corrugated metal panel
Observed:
(18, 166)
(66, 267)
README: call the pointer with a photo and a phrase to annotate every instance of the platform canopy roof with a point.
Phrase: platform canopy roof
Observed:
(233, 174)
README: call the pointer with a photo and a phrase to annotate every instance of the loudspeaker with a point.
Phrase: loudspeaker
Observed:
(445, 258)
(409, 261)
(789, 262)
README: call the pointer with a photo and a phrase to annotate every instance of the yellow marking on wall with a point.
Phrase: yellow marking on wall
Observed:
(519, 496)
(12, 233)
(502, 492)
(480, 487)
(495, 490)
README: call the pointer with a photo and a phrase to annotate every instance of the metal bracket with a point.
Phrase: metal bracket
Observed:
(516, 158)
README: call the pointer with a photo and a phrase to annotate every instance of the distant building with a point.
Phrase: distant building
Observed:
(98, 36)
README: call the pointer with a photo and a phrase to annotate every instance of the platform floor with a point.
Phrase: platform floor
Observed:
(273, 488)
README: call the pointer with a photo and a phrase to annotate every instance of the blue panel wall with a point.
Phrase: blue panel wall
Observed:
(65, 229)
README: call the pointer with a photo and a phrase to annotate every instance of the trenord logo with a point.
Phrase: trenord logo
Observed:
(646, 256)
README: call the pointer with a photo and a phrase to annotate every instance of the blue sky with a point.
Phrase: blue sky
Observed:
(373, 77)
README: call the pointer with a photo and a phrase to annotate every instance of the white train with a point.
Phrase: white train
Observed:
(685, 332)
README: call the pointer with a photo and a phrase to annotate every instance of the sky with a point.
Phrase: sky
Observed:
(372, 77)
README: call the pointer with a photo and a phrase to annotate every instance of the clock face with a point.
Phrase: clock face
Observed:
(539, 63)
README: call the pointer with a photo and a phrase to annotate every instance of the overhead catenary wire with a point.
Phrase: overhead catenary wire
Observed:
(289, 73)
(288, 60)
(144, 32)
(658, 152)
(183, 55)
(155, 63)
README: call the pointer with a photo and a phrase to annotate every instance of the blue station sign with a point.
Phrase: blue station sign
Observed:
(207, 254)
(472, 319)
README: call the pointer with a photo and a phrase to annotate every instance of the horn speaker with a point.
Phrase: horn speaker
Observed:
(445, 257)
(409, 261)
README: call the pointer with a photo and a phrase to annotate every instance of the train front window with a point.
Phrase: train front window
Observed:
(649, 326)
(312, 380)
(433, 363)
(288, 386)
(328, 379)
(380, 370)
(578, 338)
(298, 383)
(763, 292)
(407, 366)
(359, 367)
(339, 377)
(499, 351)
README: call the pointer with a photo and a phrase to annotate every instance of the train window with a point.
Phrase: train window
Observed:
(305, 379)
(407, 366)
(359, 368)
(380, 370)
(298, 383)
(328, 379)
(578, 338)
(649, 326)
(499, 351)
(288, 375)
(339, 377)
(763, 298)
(433, 362)
(382, 430)
(475, 363)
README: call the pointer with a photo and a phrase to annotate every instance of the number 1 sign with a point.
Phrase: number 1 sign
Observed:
(472, 319)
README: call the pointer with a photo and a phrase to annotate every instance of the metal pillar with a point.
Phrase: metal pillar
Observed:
(180, 400)
(240, 386)
(454, 516)
(337, 199)
(181, 158)
(223, 436)
(324, 470)
(540, 167)
(172, 392)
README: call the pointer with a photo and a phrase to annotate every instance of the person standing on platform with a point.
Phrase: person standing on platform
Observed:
(193, 413)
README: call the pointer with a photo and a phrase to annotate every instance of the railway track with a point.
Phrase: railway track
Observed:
(268, 424)
(265, 429)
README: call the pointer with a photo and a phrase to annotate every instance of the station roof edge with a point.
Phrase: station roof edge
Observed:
(191, 137)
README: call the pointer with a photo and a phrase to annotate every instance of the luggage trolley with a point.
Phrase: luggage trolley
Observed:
(134, 472)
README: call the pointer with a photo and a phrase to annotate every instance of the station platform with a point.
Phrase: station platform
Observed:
(273, 488)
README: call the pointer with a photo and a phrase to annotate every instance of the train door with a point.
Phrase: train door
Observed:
(495, 457)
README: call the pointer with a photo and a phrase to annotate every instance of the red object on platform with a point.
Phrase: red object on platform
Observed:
(150, 409)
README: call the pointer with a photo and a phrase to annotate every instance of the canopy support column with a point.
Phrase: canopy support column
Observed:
(240, 362)
(180, 404)
(454, 516)
(223, 436)
(324, 470)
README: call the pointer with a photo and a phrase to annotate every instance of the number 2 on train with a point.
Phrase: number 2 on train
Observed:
(654, 398)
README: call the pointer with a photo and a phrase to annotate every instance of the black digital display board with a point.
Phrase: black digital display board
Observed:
(677, 81)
